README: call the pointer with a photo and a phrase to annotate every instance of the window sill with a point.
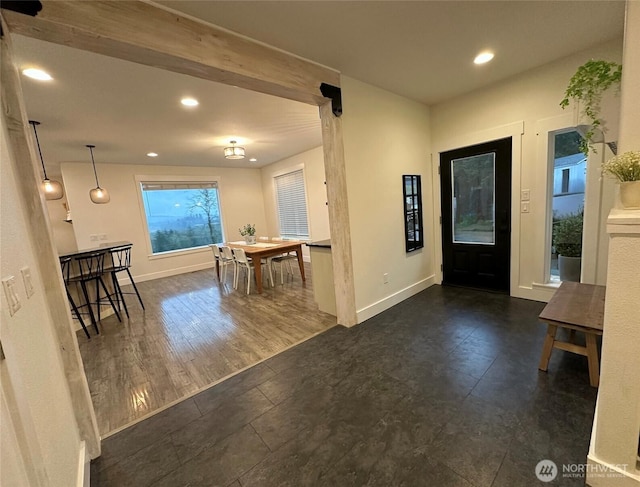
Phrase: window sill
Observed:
(178, 253)
(548, 285)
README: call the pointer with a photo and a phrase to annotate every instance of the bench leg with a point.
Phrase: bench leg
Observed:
(592, 356)
(547, 348)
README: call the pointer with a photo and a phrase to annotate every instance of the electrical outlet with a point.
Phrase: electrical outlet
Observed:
(102, 236)
(524, 207)
(93, 237)
(385, 278)
(9, 286)
(28, 283)
(526, 195)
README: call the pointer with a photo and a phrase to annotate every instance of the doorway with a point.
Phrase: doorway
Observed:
(476, 215)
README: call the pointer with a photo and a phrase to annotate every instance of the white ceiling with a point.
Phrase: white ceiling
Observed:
(127, 110)
(419, 49)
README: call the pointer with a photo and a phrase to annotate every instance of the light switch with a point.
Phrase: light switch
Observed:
(524, 207)
(28, 283)
(526, 195)
(13, 301)
(93, 237)
(102, 236)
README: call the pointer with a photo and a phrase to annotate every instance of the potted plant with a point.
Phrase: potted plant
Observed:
(586, 86)
(249, 233)
(567, 240)
(626, 168)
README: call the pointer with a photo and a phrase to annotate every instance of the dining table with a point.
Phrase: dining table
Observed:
(264, 249)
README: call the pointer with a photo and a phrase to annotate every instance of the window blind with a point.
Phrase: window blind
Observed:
(292, 205)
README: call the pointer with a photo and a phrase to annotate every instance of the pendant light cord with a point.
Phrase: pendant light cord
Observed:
(33, 124)
(94, 165)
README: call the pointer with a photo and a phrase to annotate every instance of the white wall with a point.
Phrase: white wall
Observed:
(63, 236)
(385, 136)
(33, 371)
(312, 162)
(532, 99)
(241, 202)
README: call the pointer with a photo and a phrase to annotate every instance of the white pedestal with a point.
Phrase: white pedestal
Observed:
(614, 440)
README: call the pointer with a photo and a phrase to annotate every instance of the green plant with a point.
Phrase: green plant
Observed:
(248, 229)
(587, 85)
(567, 235)
(625, 167)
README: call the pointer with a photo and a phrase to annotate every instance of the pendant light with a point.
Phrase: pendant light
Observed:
(234, 152)
(52, 189)
(98, 195)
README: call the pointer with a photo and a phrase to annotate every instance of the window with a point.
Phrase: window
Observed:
(412, 193)
(565, 180)
(181, 215)
(567, 184)
(292, 205)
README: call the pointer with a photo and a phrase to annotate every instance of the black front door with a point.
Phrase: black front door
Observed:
(476, 215)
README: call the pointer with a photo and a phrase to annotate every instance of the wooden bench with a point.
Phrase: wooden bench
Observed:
(577, 307)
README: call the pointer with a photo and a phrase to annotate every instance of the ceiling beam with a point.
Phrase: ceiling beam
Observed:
(176, 43)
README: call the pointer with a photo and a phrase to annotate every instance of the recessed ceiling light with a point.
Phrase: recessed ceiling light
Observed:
(483, 57)
(152, 154)
(189, 102)
(37, 74)
(253, 159)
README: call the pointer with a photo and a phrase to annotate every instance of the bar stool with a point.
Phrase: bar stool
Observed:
(65, 265)
(120, 262)
(91, 268)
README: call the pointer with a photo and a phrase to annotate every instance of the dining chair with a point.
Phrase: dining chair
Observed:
(227, 259)
(282, 260)
(121, 262)
(65, 267)
(242, 262)
(91, 269)
(217, 257)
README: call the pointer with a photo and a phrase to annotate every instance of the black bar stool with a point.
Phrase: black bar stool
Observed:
(91, 268)
(65, 265)
(121, 262)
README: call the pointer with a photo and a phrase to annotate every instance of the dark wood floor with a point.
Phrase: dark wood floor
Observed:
(441, 390)
(193, 333)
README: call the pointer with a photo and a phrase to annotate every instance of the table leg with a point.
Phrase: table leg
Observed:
(300, 261)
(547, 348)
(592, 356)
(257, 266)
(218, 269)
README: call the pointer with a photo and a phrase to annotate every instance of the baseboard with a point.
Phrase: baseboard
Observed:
(167, 273)
(602, 474)
(174, 272)
(397, 297)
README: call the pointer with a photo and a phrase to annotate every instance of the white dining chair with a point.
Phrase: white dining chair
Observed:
(217, 257)
(226, 260)
(243, 263)
(283, 260)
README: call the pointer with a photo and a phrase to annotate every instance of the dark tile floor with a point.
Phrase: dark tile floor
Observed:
(440, 390)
